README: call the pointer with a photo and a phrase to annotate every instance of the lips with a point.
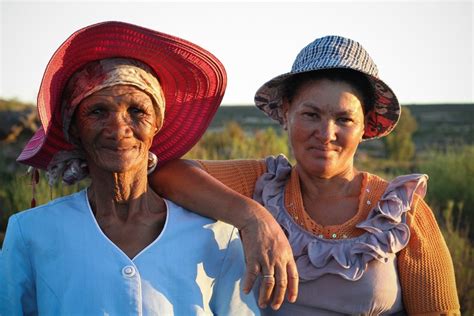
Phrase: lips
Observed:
(119, 149)
(322, 148)
(322, 152)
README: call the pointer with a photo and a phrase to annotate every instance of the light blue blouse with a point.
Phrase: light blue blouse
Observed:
(57, 261)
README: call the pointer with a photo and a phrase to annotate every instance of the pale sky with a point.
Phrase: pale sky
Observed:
(423, 49)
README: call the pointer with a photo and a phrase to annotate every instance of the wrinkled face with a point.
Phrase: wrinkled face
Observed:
(116, 127)
(325, 123)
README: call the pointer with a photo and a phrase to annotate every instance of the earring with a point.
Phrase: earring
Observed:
(152, 162)
(34, 181)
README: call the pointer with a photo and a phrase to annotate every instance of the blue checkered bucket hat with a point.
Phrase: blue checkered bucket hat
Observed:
(336, 52)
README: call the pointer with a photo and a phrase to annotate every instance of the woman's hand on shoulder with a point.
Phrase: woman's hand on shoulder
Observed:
(269, 256)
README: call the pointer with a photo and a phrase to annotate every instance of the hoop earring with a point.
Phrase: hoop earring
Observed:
(152, 162)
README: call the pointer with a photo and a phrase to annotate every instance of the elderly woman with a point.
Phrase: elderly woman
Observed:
(362, 245)
(114, 97)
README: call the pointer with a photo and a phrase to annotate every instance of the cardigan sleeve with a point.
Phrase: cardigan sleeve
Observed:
(425, 266)
(17, 290)
(239, 175)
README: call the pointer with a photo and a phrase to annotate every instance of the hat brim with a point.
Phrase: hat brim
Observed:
(193, 82)
(381, 119)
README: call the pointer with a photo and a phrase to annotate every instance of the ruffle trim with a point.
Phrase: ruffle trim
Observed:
(386, 230)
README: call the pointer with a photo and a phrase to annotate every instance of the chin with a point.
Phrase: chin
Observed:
(119, 167)
(129, 162)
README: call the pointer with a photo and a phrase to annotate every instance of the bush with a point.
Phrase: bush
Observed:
(462, 253)
(451, 175)
(234, 143)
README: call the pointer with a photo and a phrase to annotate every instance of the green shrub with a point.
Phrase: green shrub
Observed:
(451, 175)
(462, 253)
(234, 143)
(399, 144)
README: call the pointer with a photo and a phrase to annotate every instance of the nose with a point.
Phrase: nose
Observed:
(117, 126)
(326, 131)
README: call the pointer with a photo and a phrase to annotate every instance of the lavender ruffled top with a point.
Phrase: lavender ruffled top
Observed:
(386, 229)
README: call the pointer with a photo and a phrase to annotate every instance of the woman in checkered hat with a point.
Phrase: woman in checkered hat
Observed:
(114, 97)
(362, 245)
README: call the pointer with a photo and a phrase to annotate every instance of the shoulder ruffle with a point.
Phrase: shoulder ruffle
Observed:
(386, 229)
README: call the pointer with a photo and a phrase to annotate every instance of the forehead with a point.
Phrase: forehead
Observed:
(327, 94)
(123, 91)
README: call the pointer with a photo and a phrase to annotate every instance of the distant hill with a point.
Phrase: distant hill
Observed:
(443, 124)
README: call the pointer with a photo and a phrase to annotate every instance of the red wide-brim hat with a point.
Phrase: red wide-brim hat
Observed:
(193, 82)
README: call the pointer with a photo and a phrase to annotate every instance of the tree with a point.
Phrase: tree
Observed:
(399, 144)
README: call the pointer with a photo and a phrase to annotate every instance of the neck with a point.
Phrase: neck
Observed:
(122, 195)
(341, 185)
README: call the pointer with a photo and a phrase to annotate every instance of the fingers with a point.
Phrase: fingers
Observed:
(273, 288)
(293, 281)
(281, 283)
(251, 274)
(269, 257)
(266, 287)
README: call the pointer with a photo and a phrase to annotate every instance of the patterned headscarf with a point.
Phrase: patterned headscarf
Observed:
(95, 76)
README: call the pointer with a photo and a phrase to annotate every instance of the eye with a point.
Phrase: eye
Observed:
(345, 120)
(310, 115)
(136, 110)
(97, 110)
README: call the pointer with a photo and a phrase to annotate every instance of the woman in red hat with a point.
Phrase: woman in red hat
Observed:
(117, 100)
(362, 245)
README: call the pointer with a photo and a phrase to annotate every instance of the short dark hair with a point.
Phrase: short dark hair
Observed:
(357, 80)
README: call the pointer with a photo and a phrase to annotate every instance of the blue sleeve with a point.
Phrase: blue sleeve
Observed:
(228, 297)
(17, 290)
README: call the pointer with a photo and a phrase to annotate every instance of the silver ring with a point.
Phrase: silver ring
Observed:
(268, 276)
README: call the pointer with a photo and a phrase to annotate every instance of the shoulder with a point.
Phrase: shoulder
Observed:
(210, 240)
(53, 207)
(398, 180)
(421, 209)
(58, 210)
(184, 220)
(375, 181)
(410, 188)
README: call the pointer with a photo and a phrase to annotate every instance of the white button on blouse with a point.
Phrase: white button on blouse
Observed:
(128, 271)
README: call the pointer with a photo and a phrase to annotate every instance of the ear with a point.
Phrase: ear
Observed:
(73, 131)
(158, 127)
(284, 110)
(74, 134)
(366, 120)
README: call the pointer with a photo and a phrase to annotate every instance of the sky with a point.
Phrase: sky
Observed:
(423, 49)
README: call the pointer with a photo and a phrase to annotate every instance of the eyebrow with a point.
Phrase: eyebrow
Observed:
(318, 110)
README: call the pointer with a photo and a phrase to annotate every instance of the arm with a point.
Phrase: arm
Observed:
(425, 267)
(266, 247)
(17, 290)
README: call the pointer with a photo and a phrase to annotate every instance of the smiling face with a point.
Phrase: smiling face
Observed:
(325, 123)
(115, 127)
